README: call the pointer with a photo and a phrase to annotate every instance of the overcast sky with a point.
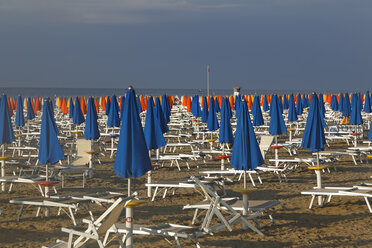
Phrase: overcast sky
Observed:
(258, 44)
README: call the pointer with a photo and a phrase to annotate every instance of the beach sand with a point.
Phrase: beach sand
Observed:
(344, 222)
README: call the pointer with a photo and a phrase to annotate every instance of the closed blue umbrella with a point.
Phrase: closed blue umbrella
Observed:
(91, 131)
(50, 150)
(6, 129)
(113, 119)
(122, 104)
(160, 116)
(19, 120)
(217, 106)
(341, 103)
(132, 158)
(71, 110)
(166, 108)
(367, 103)
(256, 111)
(152, 131)
(321, 105)
(285, 102)
(78, 116)
(313, 138)
(277, 125)
(299, 107)
(51, 114)
(30, 110)
(195, 107)
(108, 106)
(305, 101)
(356, 115)
(212, 123)
(138, 104)
(246, 154)
(266, 104)
(334, 103)
(292, 115)
(238, 100)
(225, 134)
(205, 111)
(280, 104)
(346, 108)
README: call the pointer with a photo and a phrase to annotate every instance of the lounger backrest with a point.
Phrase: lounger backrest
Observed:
(83, 158)
(265, 144)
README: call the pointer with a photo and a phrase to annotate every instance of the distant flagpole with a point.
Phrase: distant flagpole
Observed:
(208, 71)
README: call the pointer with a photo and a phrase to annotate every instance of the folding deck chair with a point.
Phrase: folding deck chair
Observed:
(96, 229)
(265, 143)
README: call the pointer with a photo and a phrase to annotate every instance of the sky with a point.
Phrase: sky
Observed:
(254, 44)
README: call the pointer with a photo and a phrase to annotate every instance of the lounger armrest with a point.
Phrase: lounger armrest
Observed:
(78, 233)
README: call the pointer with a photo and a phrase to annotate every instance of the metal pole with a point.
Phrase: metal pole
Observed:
(208, 71)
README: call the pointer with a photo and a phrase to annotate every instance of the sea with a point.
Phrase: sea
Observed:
(71, 92)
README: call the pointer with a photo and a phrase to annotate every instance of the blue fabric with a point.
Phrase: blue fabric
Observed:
(71, 110)
(160, 116)
(51, 114)
(50, 150)
(321, 106)
(166, 108)
(367, 103)
(195, 107)
(19, 120)
(153, 132)
(334, 103)
(285, 102)
(346, 106)
(113, 119)
(122, 104)
(205, 111)
(305, 101)
(280, 104)
(132, 158)
(6, 129)
(78, 116)
(246, 154)
(277, 125)
(341, 103)
(108, 106)
(292, 115)
(265, 105)
(217, 106)
(257, 113)
(91, 125)
(225, 134)
(313, 138)
(30, 110)
(238, 100)
(356, 114)
(299, 107)
(138, 104)
(212, 123)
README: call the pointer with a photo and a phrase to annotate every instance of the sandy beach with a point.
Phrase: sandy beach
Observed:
(344, 222)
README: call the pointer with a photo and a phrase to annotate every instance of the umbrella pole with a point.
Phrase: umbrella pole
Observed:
(319, 180)
(149, 178)
(47, 210)
(129, 221)
(245, 179)
(3, 167)
(276, 151)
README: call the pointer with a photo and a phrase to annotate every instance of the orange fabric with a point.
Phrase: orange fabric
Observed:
(189, 104)
(249, 102)
(96, 103)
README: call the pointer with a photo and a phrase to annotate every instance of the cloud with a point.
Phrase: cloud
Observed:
(110, 11)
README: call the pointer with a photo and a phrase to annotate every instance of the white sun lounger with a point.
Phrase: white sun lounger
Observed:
(340, 191)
